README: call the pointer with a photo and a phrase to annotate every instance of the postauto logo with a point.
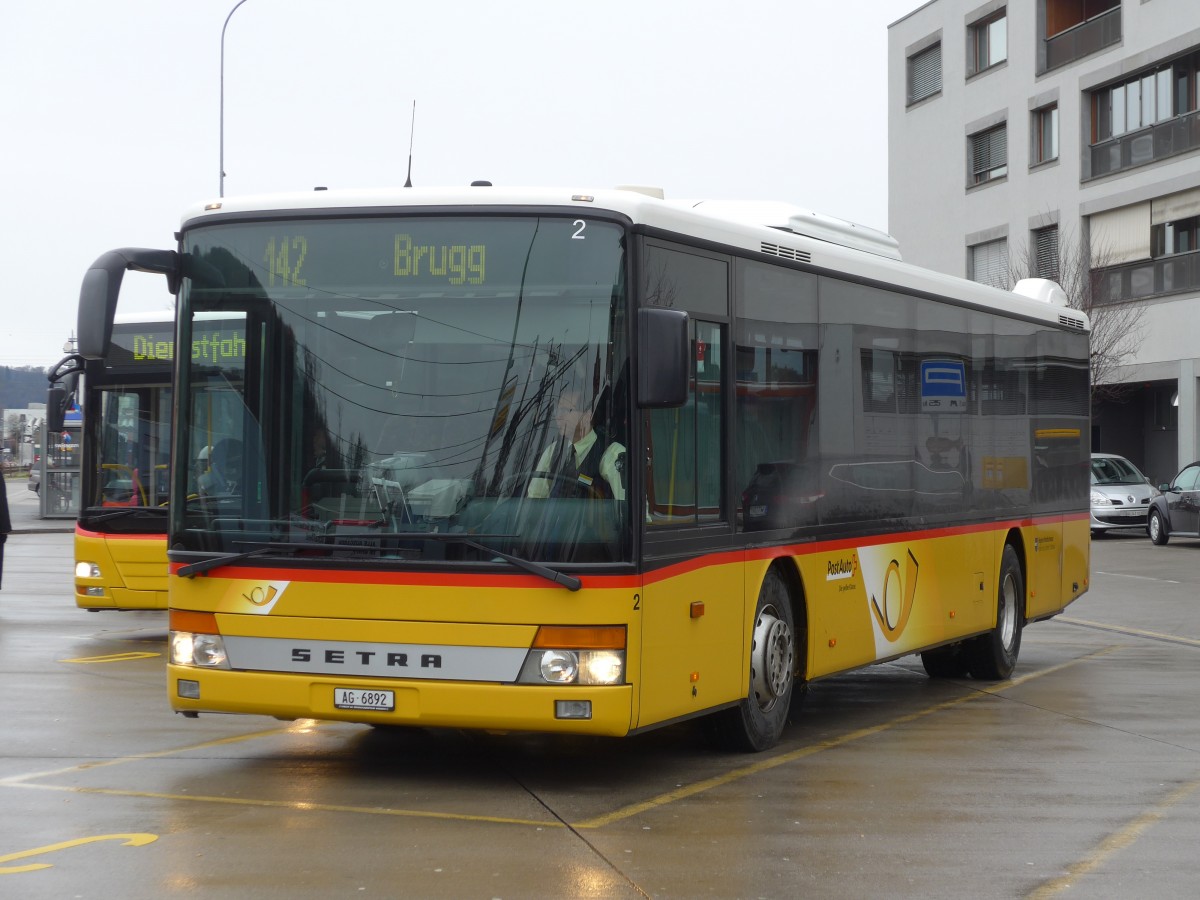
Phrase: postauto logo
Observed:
(842, 568)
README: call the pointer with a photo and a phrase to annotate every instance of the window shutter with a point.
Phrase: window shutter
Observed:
(989, 151)
(1121, 235)
(925, 73)
(989, 263)
(1045, 250)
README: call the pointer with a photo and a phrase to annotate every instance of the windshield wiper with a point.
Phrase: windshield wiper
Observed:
(570, 582)
(191, 570)
(122, 513)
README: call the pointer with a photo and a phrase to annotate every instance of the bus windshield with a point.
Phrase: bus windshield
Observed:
(397, 382)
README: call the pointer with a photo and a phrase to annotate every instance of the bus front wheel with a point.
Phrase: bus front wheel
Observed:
(993, 656)
(757, 722)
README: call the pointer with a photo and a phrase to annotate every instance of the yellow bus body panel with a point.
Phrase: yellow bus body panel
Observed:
(694, 629)
(688, 625)
(133, 570)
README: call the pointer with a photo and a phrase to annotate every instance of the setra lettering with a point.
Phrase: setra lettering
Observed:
(365, 658)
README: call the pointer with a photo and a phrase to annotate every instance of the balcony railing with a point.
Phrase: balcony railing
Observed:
(1084, 38)
(1176, 274)
(1169, 138)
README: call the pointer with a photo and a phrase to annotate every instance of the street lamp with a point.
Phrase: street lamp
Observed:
(222, 130)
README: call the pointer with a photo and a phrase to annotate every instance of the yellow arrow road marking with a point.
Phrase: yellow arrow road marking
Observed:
(127, 840)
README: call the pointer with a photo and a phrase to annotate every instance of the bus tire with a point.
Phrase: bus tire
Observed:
(993, 656)
(945, 662)
(756, 723)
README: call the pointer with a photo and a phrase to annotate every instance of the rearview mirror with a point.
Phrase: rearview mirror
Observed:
(662, 358)
(56, 407)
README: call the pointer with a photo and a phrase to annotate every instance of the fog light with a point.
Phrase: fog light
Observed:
(189, 690)
(87, 570)
(93, 592)
(572, 709)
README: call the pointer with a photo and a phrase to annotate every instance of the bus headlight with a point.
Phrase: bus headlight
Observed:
(601, 667)
(559, 666)
(201, 650)
(576, 654)
(87, 570)
(588, 667)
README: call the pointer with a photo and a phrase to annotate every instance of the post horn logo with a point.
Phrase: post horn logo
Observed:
(899, 594)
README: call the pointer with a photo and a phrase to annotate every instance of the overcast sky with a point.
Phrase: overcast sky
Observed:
(111, 114)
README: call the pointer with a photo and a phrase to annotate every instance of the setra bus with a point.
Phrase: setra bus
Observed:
(126, 394)
(598, 462)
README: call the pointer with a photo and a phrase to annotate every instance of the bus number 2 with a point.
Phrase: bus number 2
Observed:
(580, 226)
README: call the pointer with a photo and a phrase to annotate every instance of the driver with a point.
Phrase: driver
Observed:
(580, 462)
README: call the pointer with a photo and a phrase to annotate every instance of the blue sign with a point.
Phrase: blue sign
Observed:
(943, 385)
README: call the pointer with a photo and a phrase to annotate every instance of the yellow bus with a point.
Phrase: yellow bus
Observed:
(597, 462)
(126, 397)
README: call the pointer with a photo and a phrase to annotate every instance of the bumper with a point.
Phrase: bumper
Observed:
(421, 704)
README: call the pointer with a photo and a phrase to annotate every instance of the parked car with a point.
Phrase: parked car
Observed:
(1175, 512)
(35, 478)
(1121, 494)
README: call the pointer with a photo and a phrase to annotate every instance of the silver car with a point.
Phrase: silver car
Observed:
(1121, 494)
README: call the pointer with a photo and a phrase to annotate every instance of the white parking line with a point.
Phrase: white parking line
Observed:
(1139, 577)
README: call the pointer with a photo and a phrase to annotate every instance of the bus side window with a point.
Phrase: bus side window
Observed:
(685, 476)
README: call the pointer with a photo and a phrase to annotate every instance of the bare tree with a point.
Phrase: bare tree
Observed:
(1117, 323)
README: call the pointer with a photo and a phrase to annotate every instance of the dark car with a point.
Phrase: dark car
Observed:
(1176, 513)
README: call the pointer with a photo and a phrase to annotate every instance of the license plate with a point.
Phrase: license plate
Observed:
(354, 698)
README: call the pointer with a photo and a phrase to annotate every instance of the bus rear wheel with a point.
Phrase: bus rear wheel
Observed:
(756, 723)
(993, 656)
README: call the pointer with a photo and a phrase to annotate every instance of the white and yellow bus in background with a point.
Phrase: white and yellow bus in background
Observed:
(597, 462)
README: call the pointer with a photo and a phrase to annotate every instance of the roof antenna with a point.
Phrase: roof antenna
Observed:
(411, 132)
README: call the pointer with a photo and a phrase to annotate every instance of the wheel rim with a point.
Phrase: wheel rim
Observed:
(1008, 612)
(771, 660)
(1155, 527)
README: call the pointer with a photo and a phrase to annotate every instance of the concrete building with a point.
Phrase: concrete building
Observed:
(1027, 136)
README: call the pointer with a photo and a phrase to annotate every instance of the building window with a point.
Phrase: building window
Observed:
(925, 73)
(987, 41)
(1045, 252)
(1170, 238)
(1145, 99)
(1145, 117)
(1044, 135)
(989, 154)
(1063, 15)
(1133, 105)
(1075, 29)
(987, 263)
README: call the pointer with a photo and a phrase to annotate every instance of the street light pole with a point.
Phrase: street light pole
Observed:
(222, 129)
